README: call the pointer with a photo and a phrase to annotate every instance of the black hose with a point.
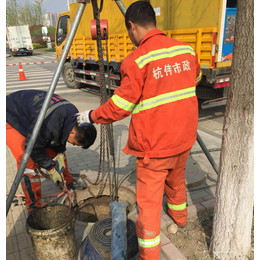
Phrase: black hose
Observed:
(120, 182)
(100, 237)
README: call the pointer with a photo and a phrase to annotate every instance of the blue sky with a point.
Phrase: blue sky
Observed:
(51, 6)
(55, 6)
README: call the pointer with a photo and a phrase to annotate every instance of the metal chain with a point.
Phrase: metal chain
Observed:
(106, 130)
(110, 125)
(102, 101)
(101, 168)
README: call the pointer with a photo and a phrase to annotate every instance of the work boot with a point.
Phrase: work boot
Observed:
(165, 208)
(77, 184)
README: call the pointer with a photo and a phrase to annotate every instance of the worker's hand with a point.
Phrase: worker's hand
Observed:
(59, 163)
(84, 118)
(55, 177)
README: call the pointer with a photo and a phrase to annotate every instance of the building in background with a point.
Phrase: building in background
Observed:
(50, 19)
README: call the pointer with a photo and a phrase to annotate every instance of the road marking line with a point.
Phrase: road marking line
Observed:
(28, 71)
(31, 77)
(33, 84)
(39, 80)
(33, 73)
(39, 73)
(60, 90)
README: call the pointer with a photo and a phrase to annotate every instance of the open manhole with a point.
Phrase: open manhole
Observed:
(91, 208)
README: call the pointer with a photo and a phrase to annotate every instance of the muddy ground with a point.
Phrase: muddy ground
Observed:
(193, 240)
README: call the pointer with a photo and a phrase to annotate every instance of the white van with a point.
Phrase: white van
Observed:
(19, 40)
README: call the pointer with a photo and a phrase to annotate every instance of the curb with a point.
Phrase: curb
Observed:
(167, 247)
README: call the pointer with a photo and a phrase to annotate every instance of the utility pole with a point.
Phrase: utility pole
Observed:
(40, 8)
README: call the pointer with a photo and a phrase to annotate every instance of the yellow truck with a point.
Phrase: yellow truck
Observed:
(208, 26)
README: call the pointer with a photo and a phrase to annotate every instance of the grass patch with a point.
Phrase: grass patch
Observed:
(50, 50)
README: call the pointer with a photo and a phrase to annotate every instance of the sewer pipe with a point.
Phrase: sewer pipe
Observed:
(118, 231)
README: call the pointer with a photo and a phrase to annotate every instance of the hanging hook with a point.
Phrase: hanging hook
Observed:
(96, 9)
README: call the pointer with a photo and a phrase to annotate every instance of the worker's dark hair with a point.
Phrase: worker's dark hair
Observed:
(86, 135)
(141, 13)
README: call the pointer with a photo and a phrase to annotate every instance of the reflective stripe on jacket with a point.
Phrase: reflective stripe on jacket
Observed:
(158, 88)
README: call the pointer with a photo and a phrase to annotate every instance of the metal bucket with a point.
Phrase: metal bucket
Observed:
(53, 233)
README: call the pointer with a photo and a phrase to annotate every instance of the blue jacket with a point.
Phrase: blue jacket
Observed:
(22, 110)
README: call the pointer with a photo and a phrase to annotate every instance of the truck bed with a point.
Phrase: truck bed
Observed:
(120, 45)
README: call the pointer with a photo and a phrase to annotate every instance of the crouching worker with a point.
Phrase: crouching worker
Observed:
(59, 126)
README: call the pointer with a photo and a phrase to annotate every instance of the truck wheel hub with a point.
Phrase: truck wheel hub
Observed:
(70, 75)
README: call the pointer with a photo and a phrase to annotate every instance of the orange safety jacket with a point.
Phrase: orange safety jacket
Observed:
(158, 88)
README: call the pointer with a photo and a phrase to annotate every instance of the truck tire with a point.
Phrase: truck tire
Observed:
(13, 54)
(68, 75)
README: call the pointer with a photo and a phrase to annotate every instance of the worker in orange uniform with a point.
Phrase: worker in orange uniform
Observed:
(158, 87)
(59, 126)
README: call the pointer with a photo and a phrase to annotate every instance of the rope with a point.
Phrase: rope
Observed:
(58, 195)
(65, 190)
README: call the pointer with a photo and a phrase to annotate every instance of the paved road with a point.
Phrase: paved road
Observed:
(211, 120)
(37, 56)
(39, 75)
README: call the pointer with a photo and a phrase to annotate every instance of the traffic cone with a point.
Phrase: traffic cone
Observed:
(21, 73)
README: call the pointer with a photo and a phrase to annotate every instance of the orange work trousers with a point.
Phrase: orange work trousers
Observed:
(31, 182)
(158, 176)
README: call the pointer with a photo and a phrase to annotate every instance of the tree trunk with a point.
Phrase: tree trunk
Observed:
(233, 213)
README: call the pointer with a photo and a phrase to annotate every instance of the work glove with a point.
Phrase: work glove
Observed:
(55, 177)
(60, 164)
(84, 118)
